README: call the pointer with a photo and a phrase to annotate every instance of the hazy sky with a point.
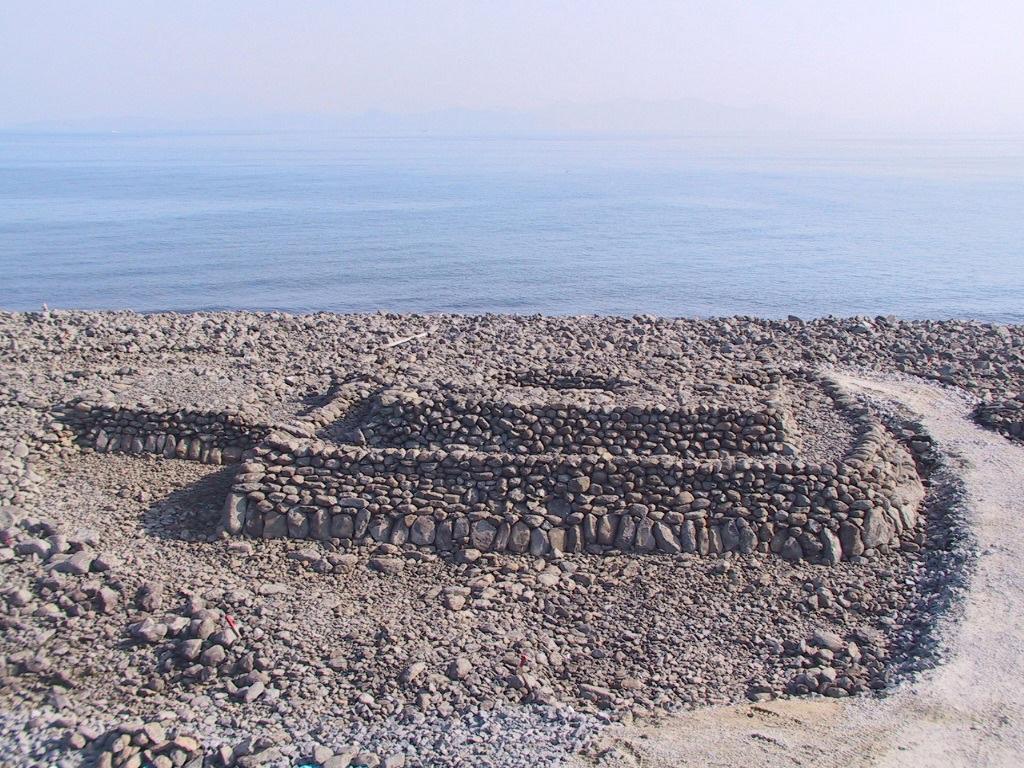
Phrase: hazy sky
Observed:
(902, 64)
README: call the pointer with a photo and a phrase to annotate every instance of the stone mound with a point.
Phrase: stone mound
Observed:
(448, 470)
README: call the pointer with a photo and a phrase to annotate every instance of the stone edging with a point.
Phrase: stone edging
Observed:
(1004, 416)
(457, 499)
(209, 437)
(448, 499)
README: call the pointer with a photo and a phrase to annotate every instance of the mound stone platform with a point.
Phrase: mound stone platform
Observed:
(543, 462)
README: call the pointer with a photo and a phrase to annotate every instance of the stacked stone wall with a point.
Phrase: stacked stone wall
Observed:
(206, 436)
(1005, 416)
(403, 421)
(637, 490)
(566, 379)
(459, 499)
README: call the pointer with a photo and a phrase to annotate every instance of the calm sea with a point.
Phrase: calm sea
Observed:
(571, 225)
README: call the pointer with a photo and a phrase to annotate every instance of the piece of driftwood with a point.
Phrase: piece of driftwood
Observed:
(396, 342)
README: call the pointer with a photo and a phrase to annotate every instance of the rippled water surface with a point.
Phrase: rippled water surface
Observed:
(572, 225)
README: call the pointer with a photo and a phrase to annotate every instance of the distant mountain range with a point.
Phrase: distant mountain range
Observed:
(619, 116)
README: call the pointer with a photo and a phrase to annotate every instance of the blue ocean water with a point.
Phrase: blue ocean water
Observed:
(557, 224)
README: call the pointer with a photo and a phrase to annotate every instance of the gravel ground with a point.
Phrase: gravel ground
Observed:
(123, 610)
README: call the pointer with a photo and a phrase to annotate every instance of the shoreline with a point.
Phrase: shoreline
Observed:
(892, 317)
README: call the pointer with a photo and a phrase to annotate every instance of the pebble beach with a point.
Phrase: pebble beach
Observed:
(143, 625)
